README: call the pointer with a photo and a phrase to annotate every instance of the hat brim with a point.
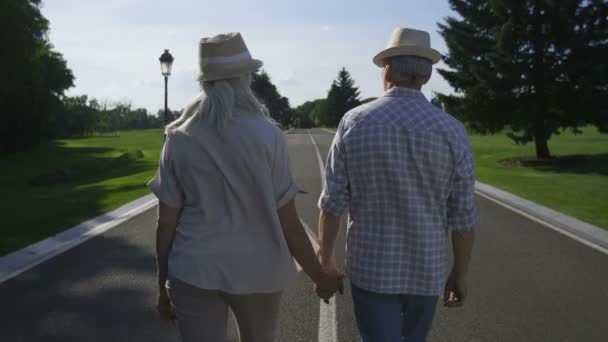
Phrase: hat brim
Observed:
(431, 54)
(233, 70)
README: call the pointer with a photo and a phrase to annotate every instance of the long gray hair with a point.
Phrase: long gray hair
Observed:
(217, 103)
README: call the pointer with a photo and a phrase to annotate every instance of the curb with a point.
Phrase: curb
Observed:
(583, 232)
(15, 263)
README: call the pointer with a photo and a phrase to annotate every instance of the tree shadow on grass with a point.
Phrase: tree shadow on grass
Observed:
(56, 187)
(81, 165)
(34, 216)
(579, 164)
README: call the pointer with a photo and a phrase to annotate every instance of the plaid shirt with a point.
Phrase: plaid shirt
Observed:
(405, 171)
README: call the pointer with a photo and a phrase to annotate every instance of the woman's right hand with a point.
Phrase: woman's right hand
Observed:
(329, 284)
(164, 307)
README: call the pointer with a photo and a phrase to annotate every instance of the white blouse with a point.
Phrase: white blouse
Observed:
(230, 186)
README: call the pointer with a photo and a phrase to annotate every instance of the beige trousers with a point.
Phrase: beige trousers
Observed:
(202, 315)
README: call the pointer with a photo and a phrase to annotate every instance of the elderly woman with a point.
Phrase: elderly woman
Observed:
(227, 224)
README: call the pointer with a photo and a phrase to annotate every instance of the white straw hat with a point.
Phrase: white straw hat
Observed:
(408, 42)
(225, 56)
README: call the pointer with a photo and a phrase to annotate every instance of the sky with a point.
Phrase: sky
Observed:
(113, 46)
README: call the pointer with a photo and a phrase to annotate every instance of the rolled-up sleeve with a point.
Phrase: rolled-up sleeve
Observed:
(335, 197)
(165, 184)
(285, 187)
(462, 211)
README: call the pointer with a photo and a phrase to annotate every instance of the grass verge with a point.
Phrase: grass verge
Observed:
(65, 182)
(576, 184)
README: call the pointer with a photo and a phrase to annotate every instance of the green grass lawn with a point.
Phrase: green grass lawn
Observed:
(579, 189)
(65, 182)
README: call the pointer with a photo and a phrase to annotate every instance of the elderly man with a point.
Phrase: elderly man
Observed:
(404, 169)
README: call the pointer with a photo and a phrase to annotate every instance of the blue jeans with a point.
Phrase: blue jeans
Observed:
(393, 317)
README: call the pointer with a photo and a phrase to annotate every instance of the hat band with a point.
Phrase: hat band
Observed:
(243, 56)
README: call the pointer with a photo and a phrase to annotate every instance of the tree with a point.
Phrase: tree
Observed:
(534, 66)
(172, 116)
(342, 97)
(311, 113)
(79, 118)
(84, 117)
(277, 105)
(436, 101)
(304, 117)
(34, 77)
(317, 114)
(368, 100)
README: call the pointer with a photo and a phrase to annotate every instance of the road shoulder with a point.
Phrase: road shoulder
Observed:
(588, 234)
(15, 263)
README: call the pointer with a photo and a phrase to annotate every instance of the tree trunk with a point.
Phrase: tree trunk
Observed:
(542, 148)
(541, 136)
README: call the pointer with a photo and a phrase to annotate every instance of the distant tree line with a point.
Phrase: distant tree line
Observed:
(278, 106)
(35, 77)
(83, 117)
(342, 96)
(530, 67)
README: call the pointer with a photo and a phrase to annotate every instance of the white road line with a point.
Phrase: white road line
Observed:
(328, 324)
(320, 159)
(546, 224)
(13, 264)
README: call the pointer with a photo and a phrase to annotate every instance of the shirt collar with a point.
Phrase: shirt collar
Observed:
(404, 92)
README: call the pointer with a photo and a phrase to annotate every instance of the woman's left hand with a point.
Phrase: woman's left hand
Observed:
(165, 308)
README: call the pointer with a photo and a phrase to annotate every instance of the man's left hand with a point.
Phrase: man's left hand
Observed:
(455, 290)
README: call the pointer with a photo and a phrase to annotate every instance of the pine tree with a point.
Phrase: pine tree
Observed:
(277, 105)
(533, 66)
(342, 97)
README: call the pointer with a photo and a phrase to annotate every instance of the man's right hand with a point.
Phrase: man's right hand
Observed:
(455, 290)
(328, 264)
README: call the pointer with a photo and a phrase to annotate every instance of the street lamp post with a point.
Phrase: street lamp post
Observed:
(166, 60)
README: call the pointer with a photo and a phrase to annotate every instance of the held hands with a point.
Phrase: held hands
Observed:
(455, 290)
(332, 280)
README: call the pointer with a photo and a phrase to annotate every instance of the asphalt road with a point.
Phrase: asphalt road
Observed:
(527, 283)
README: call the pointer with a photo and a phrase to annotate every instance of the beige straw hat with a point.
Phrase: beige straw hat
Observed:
(225, 56)
(408, 42)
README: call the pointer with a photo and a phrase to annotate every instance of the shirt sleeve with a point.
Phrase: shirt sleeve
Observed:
(165, 184)
(462, 211)
(335, 197)
(285, 187)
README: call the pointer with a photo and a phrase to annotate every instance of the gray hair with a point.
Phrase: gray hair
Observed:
(410, 70)
(218, 102)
